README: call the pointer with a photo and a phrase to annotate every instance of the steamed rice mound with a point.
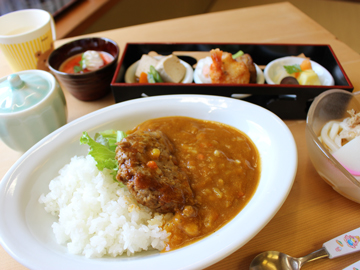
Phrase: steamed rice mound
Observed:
(97, 215)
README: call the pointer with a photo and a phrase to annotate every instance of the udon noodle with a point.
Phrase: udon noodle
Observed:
(336, 134)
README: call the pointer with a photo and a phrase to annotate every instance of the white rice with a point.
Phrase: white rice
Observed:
(97, 215)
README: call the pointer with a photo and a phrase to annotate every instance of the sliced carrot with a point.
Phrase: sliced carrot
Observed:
(305, 65)
(296, 74)
(143, 78)
(203, 145)
(152, 164)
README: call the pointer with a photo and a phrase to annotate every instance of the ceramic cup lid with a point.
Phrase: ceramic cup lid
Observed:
(19, 92)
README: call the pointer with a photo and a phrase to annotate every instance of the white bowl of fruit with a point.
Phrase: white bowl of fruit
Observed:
(298, 71)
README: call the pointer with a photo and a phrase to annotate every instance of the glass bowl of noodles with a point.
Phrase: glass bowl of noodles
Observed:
(333, 140)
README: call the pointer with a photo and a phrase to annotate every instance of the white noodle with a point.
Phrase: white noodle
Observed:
(335, 134)
(326, 137)
(334, 131)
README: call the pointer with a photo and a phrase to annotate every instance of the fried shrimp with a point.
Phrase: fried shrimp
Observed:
(224, 69)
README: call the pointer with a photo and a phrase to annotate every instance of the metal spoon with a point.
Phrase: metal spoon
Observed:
(273, 260)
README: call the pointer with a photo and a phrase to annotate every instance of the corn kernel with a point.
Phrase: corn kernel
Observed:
(155, 153)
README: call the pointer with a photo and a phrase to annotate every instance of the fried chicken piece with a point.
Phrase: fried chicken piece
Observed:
(225, 69)
(246, 58)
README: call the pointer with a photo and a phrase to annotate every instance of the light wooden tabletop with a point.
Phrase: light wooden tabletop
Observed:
(313, 212)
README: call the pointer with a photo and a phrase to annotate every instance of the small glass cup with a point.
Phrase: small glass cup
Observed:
(331, 105)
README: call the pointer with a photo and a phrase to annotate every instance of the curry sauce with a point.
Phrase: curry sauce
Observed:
(223, 166)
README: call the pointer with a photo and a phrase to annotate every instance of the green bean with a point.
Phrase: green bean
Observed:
(155, 74)
(151, 78)
(236, 55)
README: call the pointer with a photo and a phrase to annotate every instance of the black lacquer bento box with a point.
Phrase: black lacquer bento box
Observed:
(287, 101)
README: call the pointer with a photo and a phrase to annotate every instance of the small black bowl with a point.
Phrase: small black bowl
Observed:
(91, 85)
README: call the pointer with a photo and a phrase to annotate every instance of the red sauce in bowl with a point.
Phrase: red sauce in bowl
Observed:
(70, 64)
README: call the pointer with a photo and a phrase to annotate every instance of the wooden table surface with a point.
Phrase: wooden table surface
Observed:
(313, 212)
(80, 16)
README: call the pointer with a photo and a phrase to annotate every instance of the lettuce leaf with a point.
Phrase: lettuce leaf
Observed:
(293, 68)
(109, 138)
(102, 149)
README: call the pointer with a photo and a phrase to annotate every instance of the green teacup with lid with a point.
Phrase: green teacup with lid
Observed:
(32, 105)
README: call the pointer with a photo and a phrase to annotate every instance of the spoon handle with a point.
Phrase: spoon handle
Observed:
(344, 244)
(353, 266)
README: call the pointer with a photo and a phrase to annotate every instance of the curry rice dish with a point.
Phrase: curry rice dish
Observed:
(193, 175)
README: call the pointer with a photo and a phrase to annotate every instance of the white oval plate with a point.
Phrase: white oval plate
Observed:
(273, 67)
(25, 227)
(130, 72)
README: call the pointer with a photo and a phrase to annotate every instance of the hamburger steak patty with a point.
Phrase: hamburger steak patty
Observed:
(148, 167)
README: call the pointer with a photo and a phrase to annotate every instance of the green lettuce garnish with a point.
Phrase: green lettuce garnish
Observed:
(293, 68)
(79, 68)
(109, 138)
(102, 149)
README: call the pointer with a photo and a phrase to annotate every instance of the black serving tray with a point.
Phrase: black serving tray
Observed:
(287, 101)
